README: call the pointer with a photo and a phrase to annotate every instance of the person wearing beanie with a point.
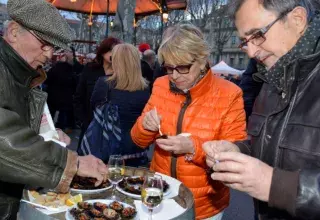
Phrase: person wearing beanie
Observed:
(143, 47)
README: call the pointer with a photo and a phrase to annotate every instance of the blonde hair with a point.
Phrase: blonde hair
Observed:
(127, 68)
(186, 44)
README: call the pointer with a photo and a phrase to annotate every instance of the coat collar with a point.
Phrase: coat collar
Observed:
(199, 89)
(306, 64)
(21, 71)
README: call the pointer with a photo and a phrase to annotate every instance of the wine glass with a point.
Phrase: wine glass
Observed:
(152, 192)
(115, 173)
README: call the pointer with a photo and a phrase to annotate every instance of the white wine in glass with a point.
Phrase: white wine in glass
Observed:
(115, 173)
(152, 192)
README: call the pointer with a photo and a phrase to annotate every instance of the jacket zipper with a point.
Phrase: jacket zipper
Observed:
(183, 109)
(284, 123)
(286, 119)
(265, 125)
(283, 128)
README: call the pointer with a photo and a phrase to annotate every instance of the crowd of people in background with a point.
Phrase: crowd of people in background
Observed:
(73, 77)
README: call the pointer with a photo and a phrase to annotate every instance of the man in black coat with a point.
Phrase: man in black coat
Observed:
(148, 63)
(250, 87)
(61, 85)
(279, 163)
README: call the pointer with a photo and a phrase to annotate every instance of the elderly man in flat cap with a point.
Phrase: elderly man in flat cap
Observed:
(25, 158)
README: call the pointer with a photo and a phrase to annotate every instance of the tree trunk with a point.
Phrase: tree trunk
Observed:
(219, 52)
(123, 25)
(217, 58)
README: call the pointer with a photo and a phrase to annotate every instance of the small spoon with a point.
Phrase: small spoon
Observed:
(159, 126)
(40, 206)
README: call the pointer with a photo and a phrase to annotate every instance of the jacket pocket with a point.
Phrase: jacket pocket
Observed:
(300, 147)
(255, 124)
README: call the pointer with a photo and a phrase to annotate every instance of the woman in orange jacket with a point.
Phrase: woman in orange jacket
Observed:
(190, 99)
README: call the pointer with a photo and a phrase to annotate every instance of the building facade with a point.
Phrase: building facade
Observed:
(231, 54)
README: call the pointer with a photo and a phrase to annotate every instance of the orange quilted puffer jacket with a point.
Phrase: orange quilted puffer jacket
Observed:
(213, 111)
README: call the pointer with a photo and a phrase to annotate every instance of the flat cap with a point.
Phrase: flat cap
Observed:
(44, 19)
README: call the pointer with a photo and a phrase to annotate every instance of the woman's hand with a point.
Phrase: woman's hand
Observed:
(177, 144)
(151, 121)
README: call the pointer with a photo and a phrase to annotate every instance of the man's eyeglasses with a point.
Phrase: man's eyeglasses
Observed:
(45, 46)
(259, 37)
(182, 69)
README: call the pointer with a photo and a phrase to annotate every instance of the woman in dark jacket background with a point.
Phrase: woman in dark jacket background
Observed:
(92, 71)
(128, 90)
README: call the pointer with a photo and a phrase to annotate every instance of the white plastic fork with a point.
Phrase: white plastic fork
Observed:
(159, 126)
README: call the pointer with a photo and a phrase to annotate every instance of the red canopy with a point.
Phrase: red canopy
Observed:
(99, 7)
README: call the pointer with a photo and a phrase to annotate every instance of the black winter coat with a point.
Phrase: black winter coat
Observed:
(82, 107)
(61, 85)
(250, 87)
(147, 71)
(25, 158)
(285, 133)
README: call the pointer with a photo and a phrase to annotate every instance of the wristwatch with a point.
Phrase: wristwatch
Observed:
(189, 157)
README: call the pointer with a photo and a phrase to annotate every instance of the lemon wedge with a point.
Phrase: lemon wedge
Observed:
(74, 200)
(69, 202)
(143, 193)
(122, 171)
